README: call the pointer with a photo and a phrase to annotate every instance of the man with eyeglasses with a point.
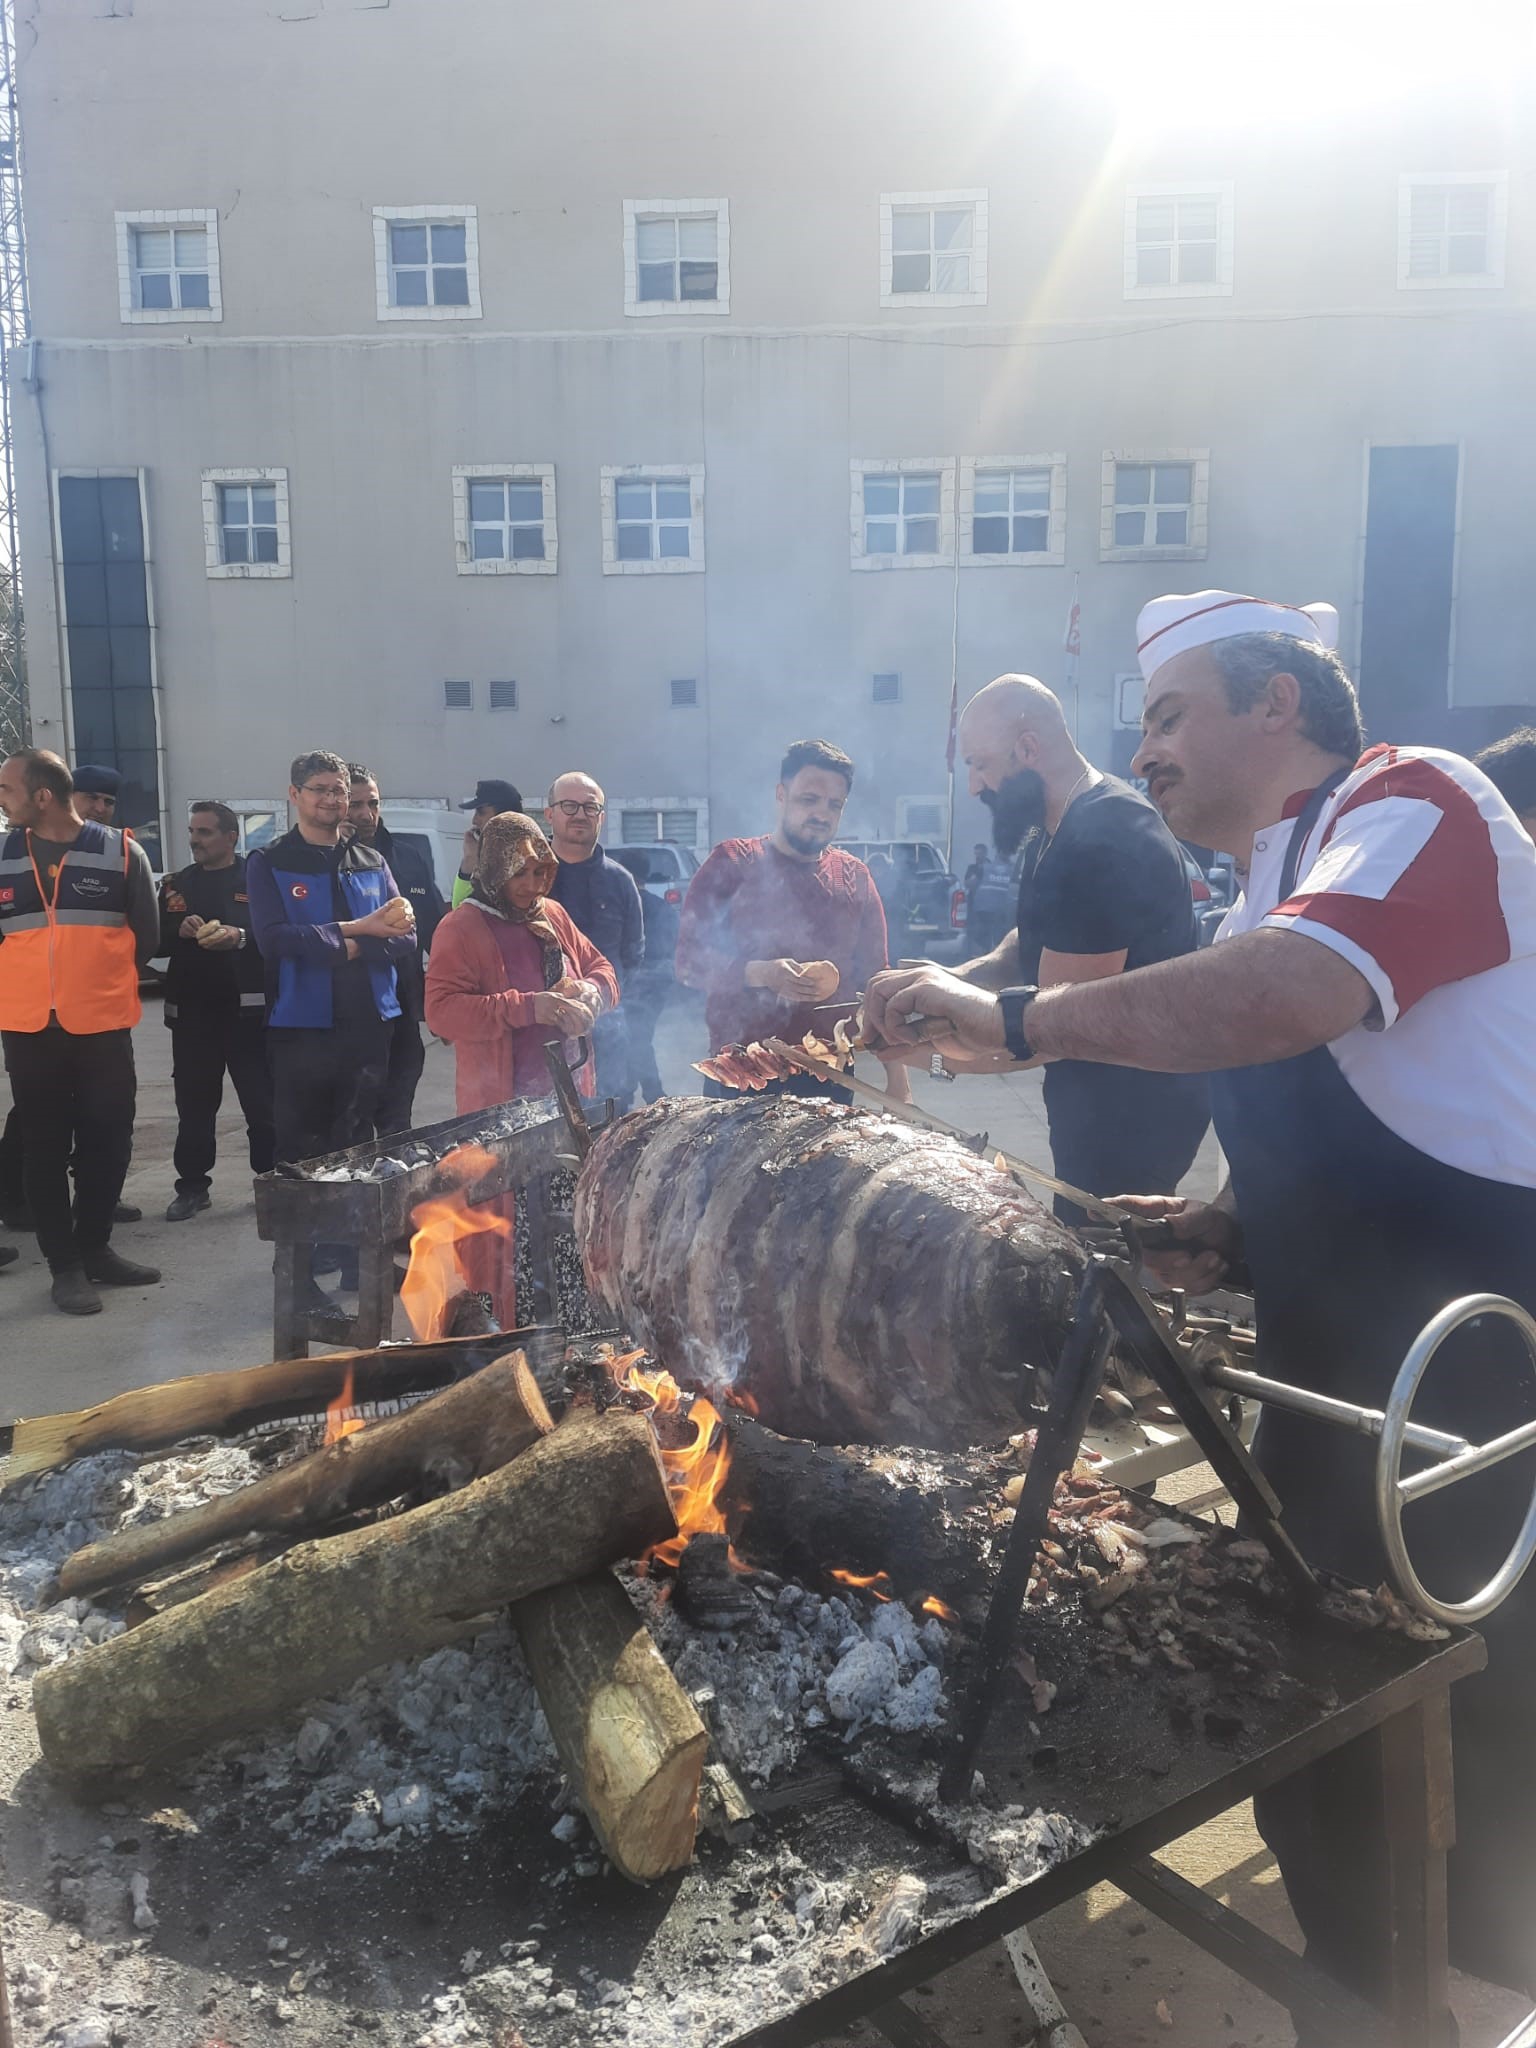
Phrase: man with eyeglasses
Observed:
(602, 900)
(331, 926)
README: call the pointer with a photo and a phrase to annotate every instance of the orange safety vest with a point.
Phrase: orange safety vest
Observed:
(71, 955)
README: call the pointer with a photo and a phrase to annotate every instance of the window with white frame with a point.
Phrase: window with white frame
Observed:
(653, 519)
(1451, 231)
(245, 522)
(1154, 505)
(168, 265)
(426, 262)
(677, 256)
(1178, 241)
(933, 248)
(504, 518)
(903, 513)
(1013, 511)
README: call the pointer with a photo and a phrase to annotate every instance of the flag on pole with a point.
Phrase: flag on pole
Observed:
(1072, 639)
(954, 719)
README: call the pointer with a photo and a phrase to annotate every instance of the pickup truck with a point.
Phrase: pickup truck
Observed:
(934, 900)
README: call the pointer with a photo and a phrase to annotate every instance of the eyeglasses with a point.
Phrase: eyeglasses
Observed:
(573, 809)
(336, 789)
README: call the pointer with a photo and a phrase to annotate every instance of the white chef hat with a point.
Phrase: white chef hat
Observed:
(1172, 625)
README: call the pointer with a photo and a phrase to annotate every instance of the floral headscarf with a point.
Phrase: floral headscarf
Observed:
(510, 844)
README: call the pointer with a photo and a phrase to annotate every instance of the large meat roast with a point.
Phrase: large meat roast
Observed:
(861, 1280)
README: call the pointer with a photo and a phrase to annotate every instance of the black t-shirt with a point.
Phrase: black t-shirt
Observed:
(1112, 879)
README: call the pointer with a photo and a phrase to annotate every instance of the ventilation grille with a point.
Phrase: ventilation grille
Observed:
(887, 689)
(685, 691)
(458, 696)
(504, 696)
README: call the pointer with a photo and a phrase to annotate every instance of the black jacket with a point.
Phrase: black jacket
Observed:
(602, 900)
(197, 981)
(413, 878)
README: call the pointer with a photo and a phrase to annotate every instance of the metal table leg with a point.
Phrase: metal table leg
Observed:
(1418, 1793)
(375, 1293)
(290, 1319)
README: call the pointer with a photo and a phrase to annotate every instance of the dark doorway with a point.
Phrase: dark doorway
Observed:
(1410, 566)
(107, 630)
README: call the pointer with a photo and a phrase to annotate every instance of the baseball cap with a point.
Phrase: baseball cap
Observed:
(506, 796)
(91, 780)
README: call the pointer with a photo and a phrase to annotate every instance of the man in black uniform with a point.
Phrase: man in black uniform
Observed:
(1103, 890)
(415, 881)
(215, 1005)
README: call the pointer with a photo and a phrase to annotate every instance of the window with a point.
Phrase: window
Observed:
(1013, 510)
(458, 696)
(168, 265)
(1154, 505)
(1178, 241)
(426, 262)
(504, 696)
(504, 518)
(245, 523)
(650, 821)
(653, 519)
(886, 689)
(685, 692)
(933, 248)
(903, 513)
(1451, 231)
(677, 256)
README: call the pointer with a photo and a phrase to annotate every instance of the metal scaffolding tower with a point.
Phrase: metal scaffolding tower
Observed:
(15, 327)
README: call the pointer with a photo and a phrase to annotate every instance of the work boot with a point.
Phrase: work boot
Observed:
(184, 1205)
(73, 1293)
(110, 1269)
(125, 1212)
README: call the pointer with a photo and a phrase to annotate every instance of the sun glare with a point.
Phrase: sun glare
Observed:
(1209, 62)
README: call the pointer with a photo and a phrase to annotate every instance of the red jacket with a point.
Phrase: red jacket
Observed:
(470, 1004)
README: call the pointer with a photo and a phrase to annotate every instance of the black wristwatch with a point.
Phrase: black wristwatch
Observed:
(1015, 1002)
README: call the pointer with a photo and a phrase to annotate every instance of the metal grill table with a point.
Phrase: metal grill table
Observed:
(295, 1211)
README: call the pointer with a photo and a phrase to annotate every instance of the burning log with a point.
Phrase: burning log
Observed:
(627, 1734)
(857, 1279)
(920, 1519)
(223, 1403)
(452, 1437)
(591, 1492)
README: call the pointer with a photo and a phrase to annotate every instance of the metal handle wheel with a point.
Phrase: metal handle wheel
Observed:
(1394, 1492)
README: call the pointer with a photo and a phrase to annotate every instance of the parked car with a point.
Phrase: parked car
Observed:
(661, 867)
(1209, 910)
(933, 900)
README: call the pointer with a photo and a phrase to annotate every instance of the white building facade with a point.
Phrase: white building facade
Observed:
(483, 390)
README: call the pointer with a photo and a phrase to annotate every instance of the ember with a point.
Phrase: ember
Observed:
(875, 1582)
(435, 1274)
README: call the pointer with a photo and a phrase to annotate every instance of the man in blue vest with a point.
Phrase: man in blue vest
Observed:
(330, 925)
(78, 917)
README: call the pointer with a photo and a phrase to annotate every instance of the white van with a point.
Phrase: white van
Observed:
(429, 826)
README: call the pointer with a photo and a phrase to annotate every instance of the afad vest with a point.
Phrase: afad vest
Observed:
(74, 958)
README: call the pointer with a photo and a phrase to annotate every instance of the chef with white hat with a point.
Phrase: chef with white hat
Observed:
(1366, 1017)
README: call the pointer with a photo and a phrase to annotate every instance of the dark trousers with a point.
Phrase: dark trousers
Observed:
(205, 1046)
(407, 1057)
(326, 1086)
(75, 1094)
(13, 1194)
(642, 1011)
(610, 1047)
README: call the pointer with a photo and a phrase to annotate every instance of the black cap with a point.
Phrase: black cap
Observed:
(93, 781)
(506, 796)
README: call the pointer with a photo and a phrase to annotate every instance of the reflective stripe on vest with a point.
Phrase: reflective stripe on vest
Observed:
(76, 964)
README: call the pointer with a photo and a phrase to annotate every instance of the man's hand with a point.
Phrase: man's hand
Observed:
(1212, 1240)
(820, 979)
(568, 1015)
(219, 938)
(903, 1006)
(189, 928)
(784, 978)
(898, 1082)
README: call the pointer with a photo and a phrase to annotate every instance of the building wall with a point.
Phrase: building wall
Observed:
(294, 121)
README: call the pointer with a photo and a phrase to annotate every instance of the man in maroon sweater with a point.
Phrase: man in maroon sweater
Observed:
(774, 927)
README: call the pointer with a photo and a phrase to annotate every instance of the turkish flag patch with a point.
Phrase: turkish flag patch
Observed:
(7, 895)
(299, 891)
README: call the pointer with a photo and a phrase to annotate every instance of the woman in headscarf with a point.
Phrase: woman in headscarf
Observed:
(508, 975)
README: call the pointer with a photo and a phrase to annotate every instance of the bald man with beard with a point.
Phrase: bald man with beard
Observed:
(1103, 889)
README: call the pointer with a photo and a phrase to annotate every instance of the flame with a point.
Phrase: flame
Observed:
(434, 1275)
(338, 1423)
(695, 1471)
(877, 1583)
(936, 1607)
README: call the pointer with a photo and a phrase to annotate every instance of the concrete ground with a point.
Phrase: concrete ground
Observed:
(1125, 1979)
